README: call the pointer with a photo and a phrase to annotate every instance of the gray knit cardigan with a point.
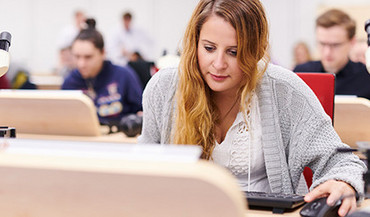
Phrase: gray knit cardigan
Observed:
(296, 132)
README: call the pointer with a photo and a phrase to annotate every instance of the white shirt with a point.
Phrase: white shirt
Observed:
(131, 40)
(67, 35)
(241, 151)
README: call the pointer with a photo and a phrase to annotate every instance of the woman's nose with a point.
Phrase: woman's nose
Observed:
(219, 61)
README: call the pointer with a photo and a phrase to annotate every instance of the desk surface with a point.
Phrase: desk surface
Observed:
(47, 81)
(104, 137)
(262, 213)
(116, 137)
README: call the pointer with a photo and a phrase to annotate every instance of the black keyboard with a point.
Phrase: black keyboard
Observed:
(277, 201)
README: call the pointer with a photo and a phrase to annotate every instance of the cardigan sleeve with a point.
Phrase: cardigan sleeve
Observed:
(314, 142)
(157, 107)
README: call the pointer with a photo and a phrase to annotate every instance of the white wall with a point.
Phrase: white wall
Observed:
(35, 24)
(290, 21)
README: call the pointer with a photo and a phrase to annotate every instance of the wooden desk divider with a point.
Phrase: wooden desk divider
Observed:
(352, 119)
(43, 185)
(49, 112)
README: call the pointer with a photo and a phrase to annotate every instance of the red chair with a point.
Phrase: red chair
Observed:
(323, 85)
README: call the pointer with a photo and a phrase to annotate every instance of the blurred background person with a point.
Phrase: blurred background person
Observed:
(144, 69)
(335, 36)
(128, 39)
(69, 32)
(115, 90)
(168, 60)
(301, 53)
(4, 83)
(19, 76)
(357, 53)
(65, 62)
(65, 39)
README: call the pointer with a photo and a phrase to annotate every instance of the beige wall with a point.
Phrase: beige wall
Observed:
(360, 13)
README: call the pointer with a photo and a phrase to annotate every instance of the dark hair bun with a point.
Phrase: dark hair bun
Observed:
(90, 22)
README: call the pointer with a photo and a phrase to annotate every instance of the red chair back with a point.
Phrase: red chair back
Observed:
(323, 85)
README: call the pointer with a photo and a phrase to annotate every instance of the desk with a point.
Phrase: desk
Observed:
(116, 137)
(47, 81)
(263, 213)
(104, 137)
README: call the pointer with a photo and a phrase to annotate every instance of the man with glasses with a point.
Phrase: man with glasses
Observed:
(335, 32)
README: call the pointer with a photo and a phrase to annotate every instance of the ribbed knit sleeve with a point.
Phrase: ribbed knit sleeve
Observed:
(307, 135)
(158, 107)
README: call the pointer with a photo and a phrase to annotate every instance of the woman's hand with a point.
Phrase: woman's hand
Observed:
(335, 190)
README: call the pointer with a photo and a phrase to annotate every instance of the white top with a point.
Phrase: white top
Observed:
(131, 40)
(241, 151)
(67, 36)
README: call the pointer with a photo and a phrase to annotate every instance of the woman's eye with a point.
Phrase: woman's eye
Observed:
(232, 53)
(208, 48)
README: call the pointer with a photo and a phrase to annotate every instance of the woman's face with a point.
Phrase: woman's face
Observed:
(88, 59)
(217, 49)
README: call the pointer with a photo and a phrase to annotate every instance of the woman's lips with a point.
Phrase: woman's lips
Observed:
(218, 77)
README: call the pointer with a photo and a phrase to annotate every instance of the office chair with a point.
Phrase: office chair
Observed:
(323, 85)
(143, 70)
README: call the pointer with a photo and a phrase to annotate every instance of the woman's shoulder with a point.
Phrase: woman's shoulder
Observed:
(284, 77)
(162, 83)
(279, 73)
(163, 80)
(289, 88)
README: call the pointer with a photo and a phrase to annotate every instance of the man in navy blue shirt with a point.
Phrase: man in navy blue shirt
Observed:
(335, 32)
(116, 91)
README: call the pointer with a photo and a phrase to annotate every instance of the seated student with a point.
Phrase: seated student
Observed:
(4, 83)
(19, 77)
(116, 91)
(144, 69)
(335, 35)
(260, 121)
(301, 53)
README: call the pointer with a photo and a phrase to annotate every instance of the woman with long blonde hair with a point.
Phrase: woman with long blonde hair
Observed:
(256, 119)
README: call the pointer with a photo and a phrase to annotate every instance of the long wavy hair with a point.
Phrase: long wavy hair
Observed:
(196, 113)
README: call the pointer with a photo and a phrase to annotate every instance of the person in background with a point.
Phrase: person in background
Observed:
(357, 53)
(168, 60)
(301, 53)
(65, 40)
(335, 35)
(227, 98)
(144, 69)
(19, 76)
(127, 40)
(116, 91)
(4, 83)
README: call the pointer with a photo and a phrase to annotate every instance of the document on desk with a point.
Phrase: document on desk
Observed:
(137, 152)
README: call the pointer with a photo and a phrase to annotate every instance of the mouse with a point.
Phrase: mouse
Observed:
(319, 208)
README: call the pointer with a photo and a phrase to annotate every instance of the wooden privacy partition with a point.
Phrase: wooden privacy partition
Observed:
(50, 112)
(352, 119)
(44, 185)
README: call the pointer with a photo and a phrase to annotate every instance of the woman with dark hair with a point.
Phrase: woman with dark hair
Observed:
(116, 91)
(260, 121)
